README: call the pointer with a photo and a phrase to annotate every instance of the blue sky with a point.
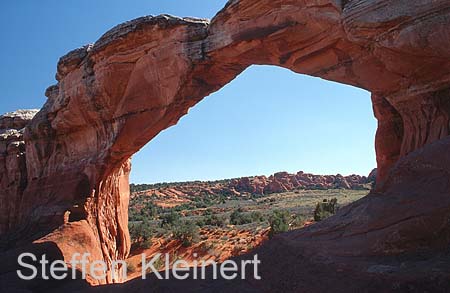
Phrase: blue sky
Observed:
(267, 120)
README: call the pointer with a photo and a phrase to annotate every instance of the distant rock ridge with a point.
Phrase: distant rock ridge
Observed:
(257, 185)
(283, 181)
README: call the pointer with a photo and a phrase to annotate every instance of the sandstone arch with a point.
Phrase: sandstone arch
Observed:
(139, 78)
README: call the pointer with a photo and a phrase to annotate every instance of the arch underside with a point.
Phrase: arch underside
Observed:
(141, 77)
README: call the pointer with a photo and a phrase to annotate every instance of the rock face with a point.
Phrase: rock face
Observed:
(283, 181)
(13, 178)
(138, 79)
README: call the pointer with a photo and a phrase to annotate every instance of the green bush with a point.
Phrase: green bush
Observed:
(257, 217)
(200, 222)
(169, 219)
(141, 208)
(297, 221)
(186, 232)
(141, 234)
(325, 209)
(279, 222)
(150, 211)
(237, 217)
(214, 220)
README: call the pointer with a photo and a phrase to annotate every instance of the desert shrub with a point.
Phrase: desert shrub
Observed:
(200, 222)
(133, 216)
(279, 222)
(141, 234)
(134, 235)
(297, 221)
(238, 217)
(214, 220)
(325, 209)
(200, 205)
(183, 207)
(170, 219)
(208, 212)
(186, 232)
(257, 217)
(141, 209)
(151, 210)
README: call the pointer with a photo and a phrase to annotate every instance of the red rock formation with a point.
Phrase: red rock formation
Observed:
(283, 181)
(277, 183)
(13, 178)
(114, 96)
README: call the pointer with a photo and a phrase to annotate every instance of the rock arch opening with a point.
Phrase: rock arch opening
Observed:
(268, 119)
(265, 121)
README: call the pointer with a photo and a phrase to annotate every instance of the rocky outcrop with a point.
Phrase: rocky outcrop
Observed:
(256, 185)
(141, 77)
(283, 181)
(372, 175)
(17, 120)
(13, 178)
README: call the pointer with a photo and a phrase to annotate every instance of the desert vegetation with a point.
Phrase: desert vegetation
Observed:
(218, 226)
